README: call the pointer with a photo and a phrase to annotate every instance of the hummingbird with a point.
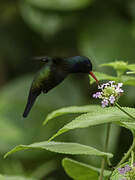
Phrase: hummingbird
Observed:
(53, 72)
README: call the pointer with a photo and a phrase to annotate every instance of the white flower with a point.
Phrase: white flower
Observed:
(97, 95)
(112, 99)
(109, 93)
(111, 82)
(119, 90)
(120, 85)
(105, 103)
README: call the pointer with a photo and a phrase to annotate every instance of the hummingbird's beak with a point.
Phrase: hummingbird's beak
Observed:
(92, 74)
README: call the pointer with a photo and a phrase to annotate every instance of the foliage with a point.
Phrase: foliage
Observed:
(72, 109)
(97, 117)
(93, 115)
(3, 177)
(120, 67)
(61, 147)
(81, 171)
(59, 4)
(101, 30)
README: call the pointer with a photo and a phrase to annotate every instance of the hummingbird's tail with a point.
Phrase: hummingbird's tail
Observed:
(31, 99)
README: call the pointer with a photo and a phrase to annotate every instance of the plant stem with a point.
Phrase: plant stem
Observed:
(132, 158)
(105, 150)
(124, 111)
(127, 154)
(133, 144)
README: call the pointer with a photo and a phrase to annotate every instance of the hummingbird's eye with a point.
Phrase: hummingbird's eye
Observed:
(45, 60)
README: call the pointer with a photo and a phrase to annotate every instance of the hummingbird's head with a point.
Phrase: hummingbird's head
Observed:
(82, 65)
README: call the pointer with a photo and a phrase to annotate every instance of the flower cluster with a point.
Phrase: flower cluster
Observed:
(109, 93)
(124, 170)
(128, 172)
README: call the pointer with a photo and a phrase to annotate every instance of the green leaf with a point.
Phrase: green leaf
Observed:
(126, 80)
(81, 171)
(60, 4)
(101, 116)
(131, 67)
(61, 147)
(70, 110)
(131, 72)
(97, 141)
(120, 66)
(14, 178)
(116, 65)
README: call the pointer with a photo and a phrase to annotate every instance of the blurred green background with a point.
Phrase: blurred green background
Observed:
(100, 29)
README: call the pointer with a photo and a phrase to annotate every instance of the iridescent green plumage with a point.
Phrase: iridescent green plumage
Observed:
(54, 71)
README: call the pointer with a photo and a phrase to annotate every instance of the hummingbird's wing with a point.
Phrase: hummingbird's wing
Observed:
(49, 77)
(41, 77)
(36, 88)
(56, 77)
(46, 79)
